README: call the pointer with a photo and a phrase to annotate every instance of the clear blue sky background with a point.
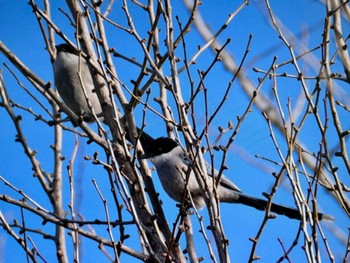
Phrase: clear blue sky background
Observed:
(20, 32)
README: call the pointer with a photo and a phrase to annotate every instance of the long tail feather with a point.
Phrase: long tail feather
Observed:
(261, 204)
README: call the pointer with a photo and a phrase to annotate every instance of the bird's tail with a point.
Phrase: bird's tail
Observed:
(261, 204)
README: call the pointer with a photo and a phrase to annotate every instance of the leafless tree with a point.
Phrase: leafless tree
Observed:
(168, 78)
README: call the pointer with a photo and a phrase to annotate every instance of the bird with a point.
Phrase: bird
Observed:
(171, 163)
(169, 158)
(67, 67)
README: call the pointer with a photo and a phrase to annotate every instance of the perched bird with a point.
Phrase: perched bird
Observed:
(72, 76)
(171, 163)
(67, 69)
(168, 157)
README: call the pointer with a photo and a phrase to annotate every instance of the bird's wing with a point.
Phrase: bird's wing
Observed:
(224, 181)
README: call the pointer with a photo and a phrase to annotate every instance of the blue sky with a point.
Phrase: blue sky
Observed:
(20, 32)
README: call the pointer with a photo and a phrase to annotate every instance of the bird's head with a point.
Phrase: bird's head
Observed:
(66, 48)
(158, 147)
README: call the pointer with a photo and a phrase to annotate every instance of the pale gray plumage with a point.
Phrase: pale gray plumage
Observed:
(67, 66)
(171, 163)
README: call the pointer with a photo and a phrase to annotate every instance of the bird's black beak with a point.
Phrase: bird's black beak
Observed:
(147, 154)
(143, 156)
